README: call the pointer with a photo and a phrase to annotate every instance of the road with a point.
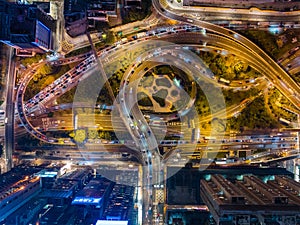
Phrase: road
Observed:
(202, 13)
(54, 92)
(274, 71)
(10, 111)
(223, 14)
(151, 157)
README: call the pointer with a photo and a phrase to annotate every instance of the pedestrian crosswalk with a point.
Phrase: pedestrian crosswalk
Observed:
(159, 195)
(164, 3)
(66, 46)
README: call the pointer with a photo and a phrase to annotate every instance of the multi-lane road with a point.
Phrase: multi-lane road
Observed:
(229, 14)
(67, 77)
(272, 70)
(10, 111)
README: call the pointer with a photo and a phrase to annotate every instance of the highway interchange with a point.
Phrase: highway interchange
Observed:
(144, 136)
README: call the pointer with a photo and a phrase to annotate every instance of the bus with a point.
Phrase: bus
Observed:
(195, 134)
(224, 81)
(284, 121)
(210, 138)
(192, 124)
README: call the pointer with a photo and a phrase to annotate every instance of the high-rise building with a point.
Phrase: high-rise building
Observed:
(18, 186)
(93, 197)
(101, 10)
(29, 29)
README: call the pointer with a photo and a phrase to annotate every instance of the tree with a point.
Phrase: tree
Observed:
(109, 37)
(72, 134)
(1, 149)
(238, 67)
(101, 134)
(45, 69)
(49, 80)
(143, 99)
(39, 153)
(92, 133)
(80, 136)
(50, 114)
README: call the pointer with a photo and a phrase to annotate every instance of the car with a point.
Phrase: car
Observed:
(131, 125)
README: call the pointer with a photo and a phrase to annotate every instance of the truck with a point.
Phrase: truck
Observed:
(263, 24)
(209, 138)
(123, 40)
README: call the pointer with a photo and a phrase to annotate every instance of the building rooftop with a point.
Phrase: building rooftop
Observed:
(18, 186)
(52, 215)
(93, 192)
(26, 211)
(77, 174)
(278, 5)
(25, 26)
(60, 189)
(273, 195)
(15, 177)
(183, 185)
(120, 203)
(103, 5)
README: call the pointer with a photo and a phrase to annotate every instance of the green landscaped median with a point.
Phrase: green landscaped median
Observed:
(79, 136)
(160, 97)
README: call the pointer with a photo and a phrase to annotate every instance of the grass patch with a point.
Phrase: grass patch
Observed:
(163, 82)
(67, 97)
(255, 116)
(40, 81)
(147, 81)
(263, 39)
(160, 97)
(144, 100)
(174, 93)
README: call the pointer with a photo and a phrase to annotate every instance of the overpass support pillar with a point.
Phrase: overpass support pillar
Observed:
(298, 142)
(297, 170)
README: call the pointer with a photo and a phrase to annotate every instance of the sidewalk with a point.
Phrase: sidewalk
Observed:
(3, 74)
(3, 91)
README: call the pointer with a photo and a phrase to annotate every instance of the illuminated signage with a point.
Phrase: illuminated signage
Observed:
(48, 174)
(42, 35)
(85, 200)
